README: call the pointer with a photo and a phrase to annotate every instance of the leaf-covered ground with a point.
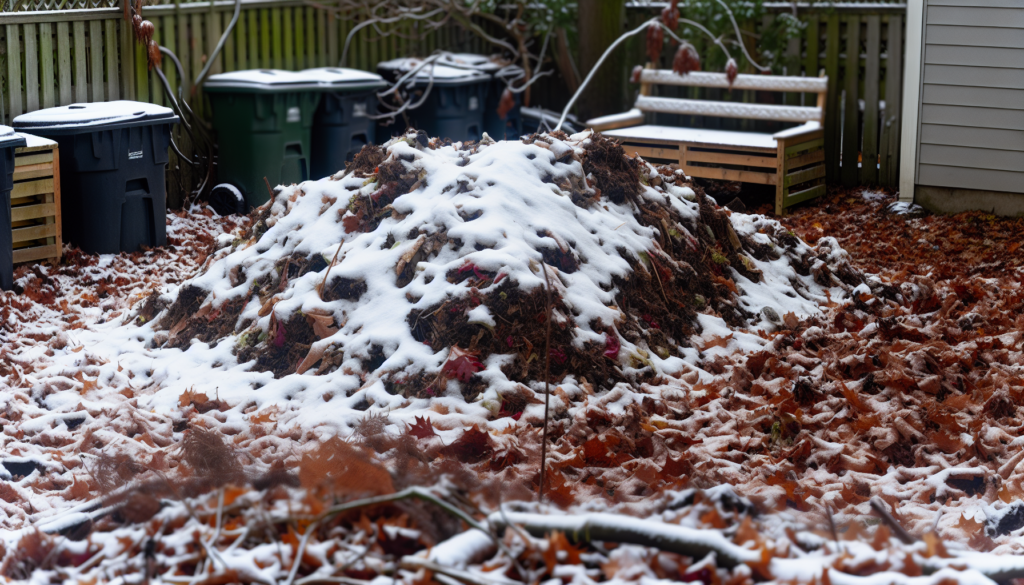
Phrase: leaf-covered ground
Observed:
(909, 395)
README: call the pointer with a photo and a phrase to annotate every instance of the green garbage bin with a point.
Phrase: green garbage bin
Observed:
(454, 107)
(342, 123)
(502, 74)
(262, 119)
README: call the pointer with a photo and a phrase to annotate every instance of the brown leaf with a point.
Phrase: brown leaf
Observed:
(343, 469)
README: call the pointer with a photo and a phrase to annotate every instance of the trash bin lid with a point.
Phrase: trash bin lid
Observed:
(276, 80)
(442, 74)
(81, 118)
(495, 65)
(9, 138)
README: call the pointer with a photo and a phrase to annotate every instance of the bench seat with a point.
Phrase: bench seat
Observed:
(672, 134)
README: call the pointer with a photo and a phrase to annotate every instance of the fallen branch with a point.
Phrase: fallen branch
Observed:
(586, 528)
(416, 563)
(897, 529)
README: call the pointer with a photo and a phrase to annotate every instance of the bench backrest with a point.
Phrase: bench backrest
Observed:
(690, 107)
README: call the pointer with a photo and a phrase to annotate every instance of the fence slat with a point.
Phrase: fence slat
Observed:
(266, 59)
(31, 68)
(64, 64)
(832, 127)
(242, 41)
(113, 76)
(127, 61)
(311, 37)
(96, 60)
(170, 38)
(813, 53)
(81, 69)
(288, 35)
(891, 127)
(141, 74)
(197, 43)
(14, 69)
(869, 157)
(321, 37)
(184, 48)
(229, 61)
(213, 33)
(851, 146)
(156, 89)
(275, 36)
(46, 58)
(332, 38)
(253, 40)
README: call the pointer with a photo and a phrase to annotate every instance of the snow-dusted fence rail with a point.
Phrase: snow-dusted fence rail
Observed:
(860, 47)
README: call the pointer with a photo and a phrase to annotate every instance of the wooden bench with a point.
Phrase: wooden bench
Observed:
(792, 160)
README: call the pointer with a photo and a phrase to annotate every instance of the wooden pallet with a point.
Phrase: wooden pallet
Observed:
(35, 201)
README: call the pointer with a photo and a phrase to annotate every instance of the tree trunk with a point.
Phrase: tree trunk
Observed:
(600, 23)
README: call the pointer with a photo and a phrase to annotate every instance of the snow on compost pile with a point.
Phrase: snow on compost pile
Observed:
(420, 276)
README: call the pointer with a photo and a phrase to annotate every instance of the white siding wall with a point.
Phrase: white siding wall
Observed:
(972, 95)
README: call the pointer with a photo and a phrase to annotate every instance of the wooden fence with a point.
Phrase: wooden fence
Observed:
(50, 58)
(860, 47)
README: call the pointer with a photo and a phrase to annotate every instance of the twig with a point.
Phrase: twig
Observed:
(547, 383)
(901, 533)
(416, 563)
(300, 551)
(269, 190)
(323, 283)
(832, 528)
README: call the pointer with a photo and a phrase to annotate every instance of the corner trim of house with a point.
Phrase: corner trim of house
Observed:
(911, 98)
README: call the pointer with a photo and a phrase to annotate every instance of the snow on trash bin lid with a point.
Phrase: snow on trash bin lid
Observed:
(9, 138)
(76, 117)
(275, 80)
(494, 65)
(442, 74)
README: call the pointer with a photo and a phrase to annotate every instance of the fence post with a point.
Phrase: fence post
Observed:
(600, 24)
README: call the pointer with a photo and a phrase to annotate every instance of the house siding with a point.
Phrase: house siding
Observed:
(972, 95)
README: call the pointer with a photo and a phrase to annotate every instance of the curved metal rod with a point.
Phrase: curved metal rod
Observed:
(220, 45)
(374, 21)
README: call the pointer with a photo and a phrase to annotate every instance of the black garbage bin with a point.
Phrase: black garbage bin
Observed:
(113, 155)
(9, 140)
(342, 124)
(498, 127)
(454, 107)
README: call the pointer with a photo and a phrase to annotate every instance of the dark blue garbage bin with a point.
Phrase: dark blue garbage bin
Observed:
(9, 140)
(112, 163)
(342, 123)
(454, 106)
(503, 74)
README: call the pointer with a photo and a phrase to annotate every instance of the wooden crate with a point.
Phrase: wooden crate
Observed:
(35, 201)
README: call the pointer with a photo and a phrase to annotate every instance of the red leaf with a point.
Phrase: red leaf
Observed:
(655, 38)
(507, 102)
(731, 71)
(461, 364)
(422, 428)
(471, 447)
(670, 16)
(611, 345)
(686, 60)
(634, 77)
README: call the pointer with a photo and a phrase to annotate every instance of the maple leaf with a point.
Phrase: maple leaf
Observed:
(471, 447)
(421, 428)
(87, 384)
(655, 39)
(461, 364)
(341, 468)
(612, 345)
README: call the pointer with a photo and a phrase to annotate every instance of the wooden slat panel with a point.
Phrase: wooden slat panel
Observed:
(712, 79)
(748, 160)
(213, 34)
(803, 176)
(35, 232)
(170, 40)
(311, 37)
(869, 159)
(793, 150)
(671, 153)
(31, 68)
(851, 113)
(230, 58)
(811, 65)
(801, 196)
(80, 68)
(141, 72)
(32, 211)
(806, 159)
(242, 40)
(832, 128)
(321, 37)
(39, 253)
(197, 50)
(46, 57)
(731, 175)
(96, 60)
(722, 109)
(64, 93)
(253, 39)
(156, 89)
(22, 172)
(113, 73)
(184, 47)
(32, 159)
(32, 188)
(332, 37)
(14, 70)
(58, 239)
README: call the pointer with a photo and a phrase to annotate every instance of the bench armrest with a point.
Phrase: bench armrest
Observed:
(633, 117)
(805, 128)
